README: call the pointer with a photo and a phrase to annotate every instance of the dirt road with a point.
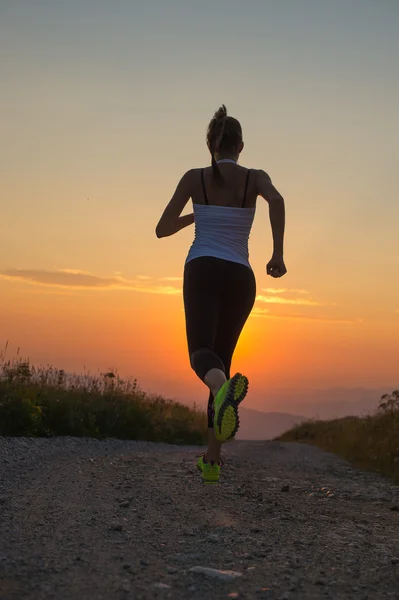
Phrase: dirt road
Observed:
(88, 520)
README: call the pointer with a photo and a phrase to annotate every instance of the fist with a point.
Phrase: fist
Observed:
(276, 267)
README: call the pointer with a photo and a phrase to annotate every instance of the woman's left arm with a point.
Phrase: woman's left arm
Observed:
(171, 222)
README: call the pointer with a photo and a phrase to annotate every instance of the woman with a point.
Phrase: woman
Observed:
(219, 285)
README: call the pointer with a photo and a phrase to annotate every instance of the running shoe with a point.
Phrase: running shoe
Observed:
(226, 421)
(210, 470)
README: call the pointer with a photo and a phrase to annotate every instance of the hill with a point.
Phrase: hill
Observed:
(257, 425)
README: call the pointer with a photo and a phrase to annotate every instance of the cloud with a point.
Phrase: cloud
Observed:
(171, 279)
(169, 290)
(74, 271)
(279, 296)
(42, 291)
(144, 277)
(266, 313)
(259, 312)
(276, 297)
(75, 279)
(320, 318)
(295, 301)
(284, 291)
(62, 277)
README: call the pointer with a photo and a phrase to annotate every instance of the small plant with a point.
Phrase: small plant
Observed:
(17, 372)
(389, 402)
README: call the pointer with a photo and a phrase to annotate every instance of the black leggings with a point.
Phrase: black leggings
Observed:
(218, 298)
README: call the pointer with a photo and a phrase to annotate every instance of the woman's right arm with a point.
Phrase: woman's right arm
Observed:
(171, 220)
(265, 188)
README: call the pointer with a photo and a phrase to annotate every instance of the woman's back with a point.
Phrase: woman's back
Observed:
(223, 213)
(237, 188)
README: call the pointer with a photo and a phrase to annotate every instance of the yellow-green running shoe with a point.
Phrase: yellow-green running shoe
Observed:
(226, 421)
(210, 471)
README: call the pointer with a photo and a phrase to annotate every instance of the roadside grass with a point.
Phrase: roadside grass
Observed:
(370, 442)
(46, 402)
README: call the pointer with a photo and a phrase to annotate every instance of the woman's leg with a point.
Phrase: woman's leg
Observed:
(202, 299)
(237, 301)
(218, 297)
(202, 288)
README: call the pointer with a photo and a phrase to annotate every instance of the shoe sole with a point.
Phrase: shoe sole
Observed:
(207, 481)
(227, 421)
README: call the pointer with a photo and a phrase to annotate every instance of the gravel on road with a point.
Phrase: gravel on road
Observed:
(82, 519)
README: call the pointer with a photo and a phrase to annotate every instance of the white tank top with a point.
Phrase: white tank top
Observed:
(222, 231)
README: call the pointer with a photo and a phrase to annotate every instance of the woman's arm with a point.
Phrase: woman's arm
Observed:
(171, 222)
(266, 189)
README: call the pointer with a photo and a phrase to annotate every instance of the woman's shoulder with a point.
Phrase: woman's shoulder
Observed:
(259, 174)
(192, 174)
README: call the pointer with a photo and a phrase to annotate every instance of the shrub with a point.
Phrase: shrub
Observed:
(370, 442)
(50, 402)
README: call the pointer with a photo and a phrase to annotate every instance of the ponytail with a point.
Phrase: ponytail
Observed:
(224, 134)
(215, 136)
(216, 172)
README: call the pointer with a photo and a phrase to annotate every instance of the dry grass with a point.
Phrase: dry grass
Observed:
(370, 442)
(48, 402)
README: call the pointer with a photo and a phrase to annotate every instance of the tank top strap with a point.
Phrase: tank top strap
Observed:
(203, 187)
(246, 188)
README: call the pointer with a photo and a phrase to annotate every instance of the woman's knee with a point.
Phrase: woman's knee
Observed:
(203, 360)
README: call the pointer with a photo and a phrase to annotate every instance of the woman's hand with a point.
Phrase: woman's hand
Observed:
(276, 267)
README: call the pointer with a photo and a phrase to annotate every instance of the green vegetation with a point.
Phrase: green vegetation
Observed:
(46, 402)
(370, 442)
(49, 402)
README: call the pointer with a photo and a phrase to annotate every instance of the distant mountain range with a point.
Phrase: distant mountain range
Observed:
(257, 425)
(328, 403)
(324, 404)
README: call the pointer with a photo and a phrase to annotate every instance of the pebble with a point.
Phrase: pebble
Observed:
(161, 586)
(171, 570)
(126, 586)
(116, 527)
(216, 573)
(285, 488)
(124, 504)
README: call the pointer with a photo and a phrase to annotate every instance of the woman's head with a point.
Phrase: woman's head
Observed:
(224, 138)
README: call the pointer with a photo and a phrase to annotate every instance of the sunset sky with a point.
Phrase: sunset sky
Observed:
(105, 105)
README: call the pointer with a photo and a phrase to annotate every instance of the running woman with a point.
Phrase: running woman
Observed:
(219, 285)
